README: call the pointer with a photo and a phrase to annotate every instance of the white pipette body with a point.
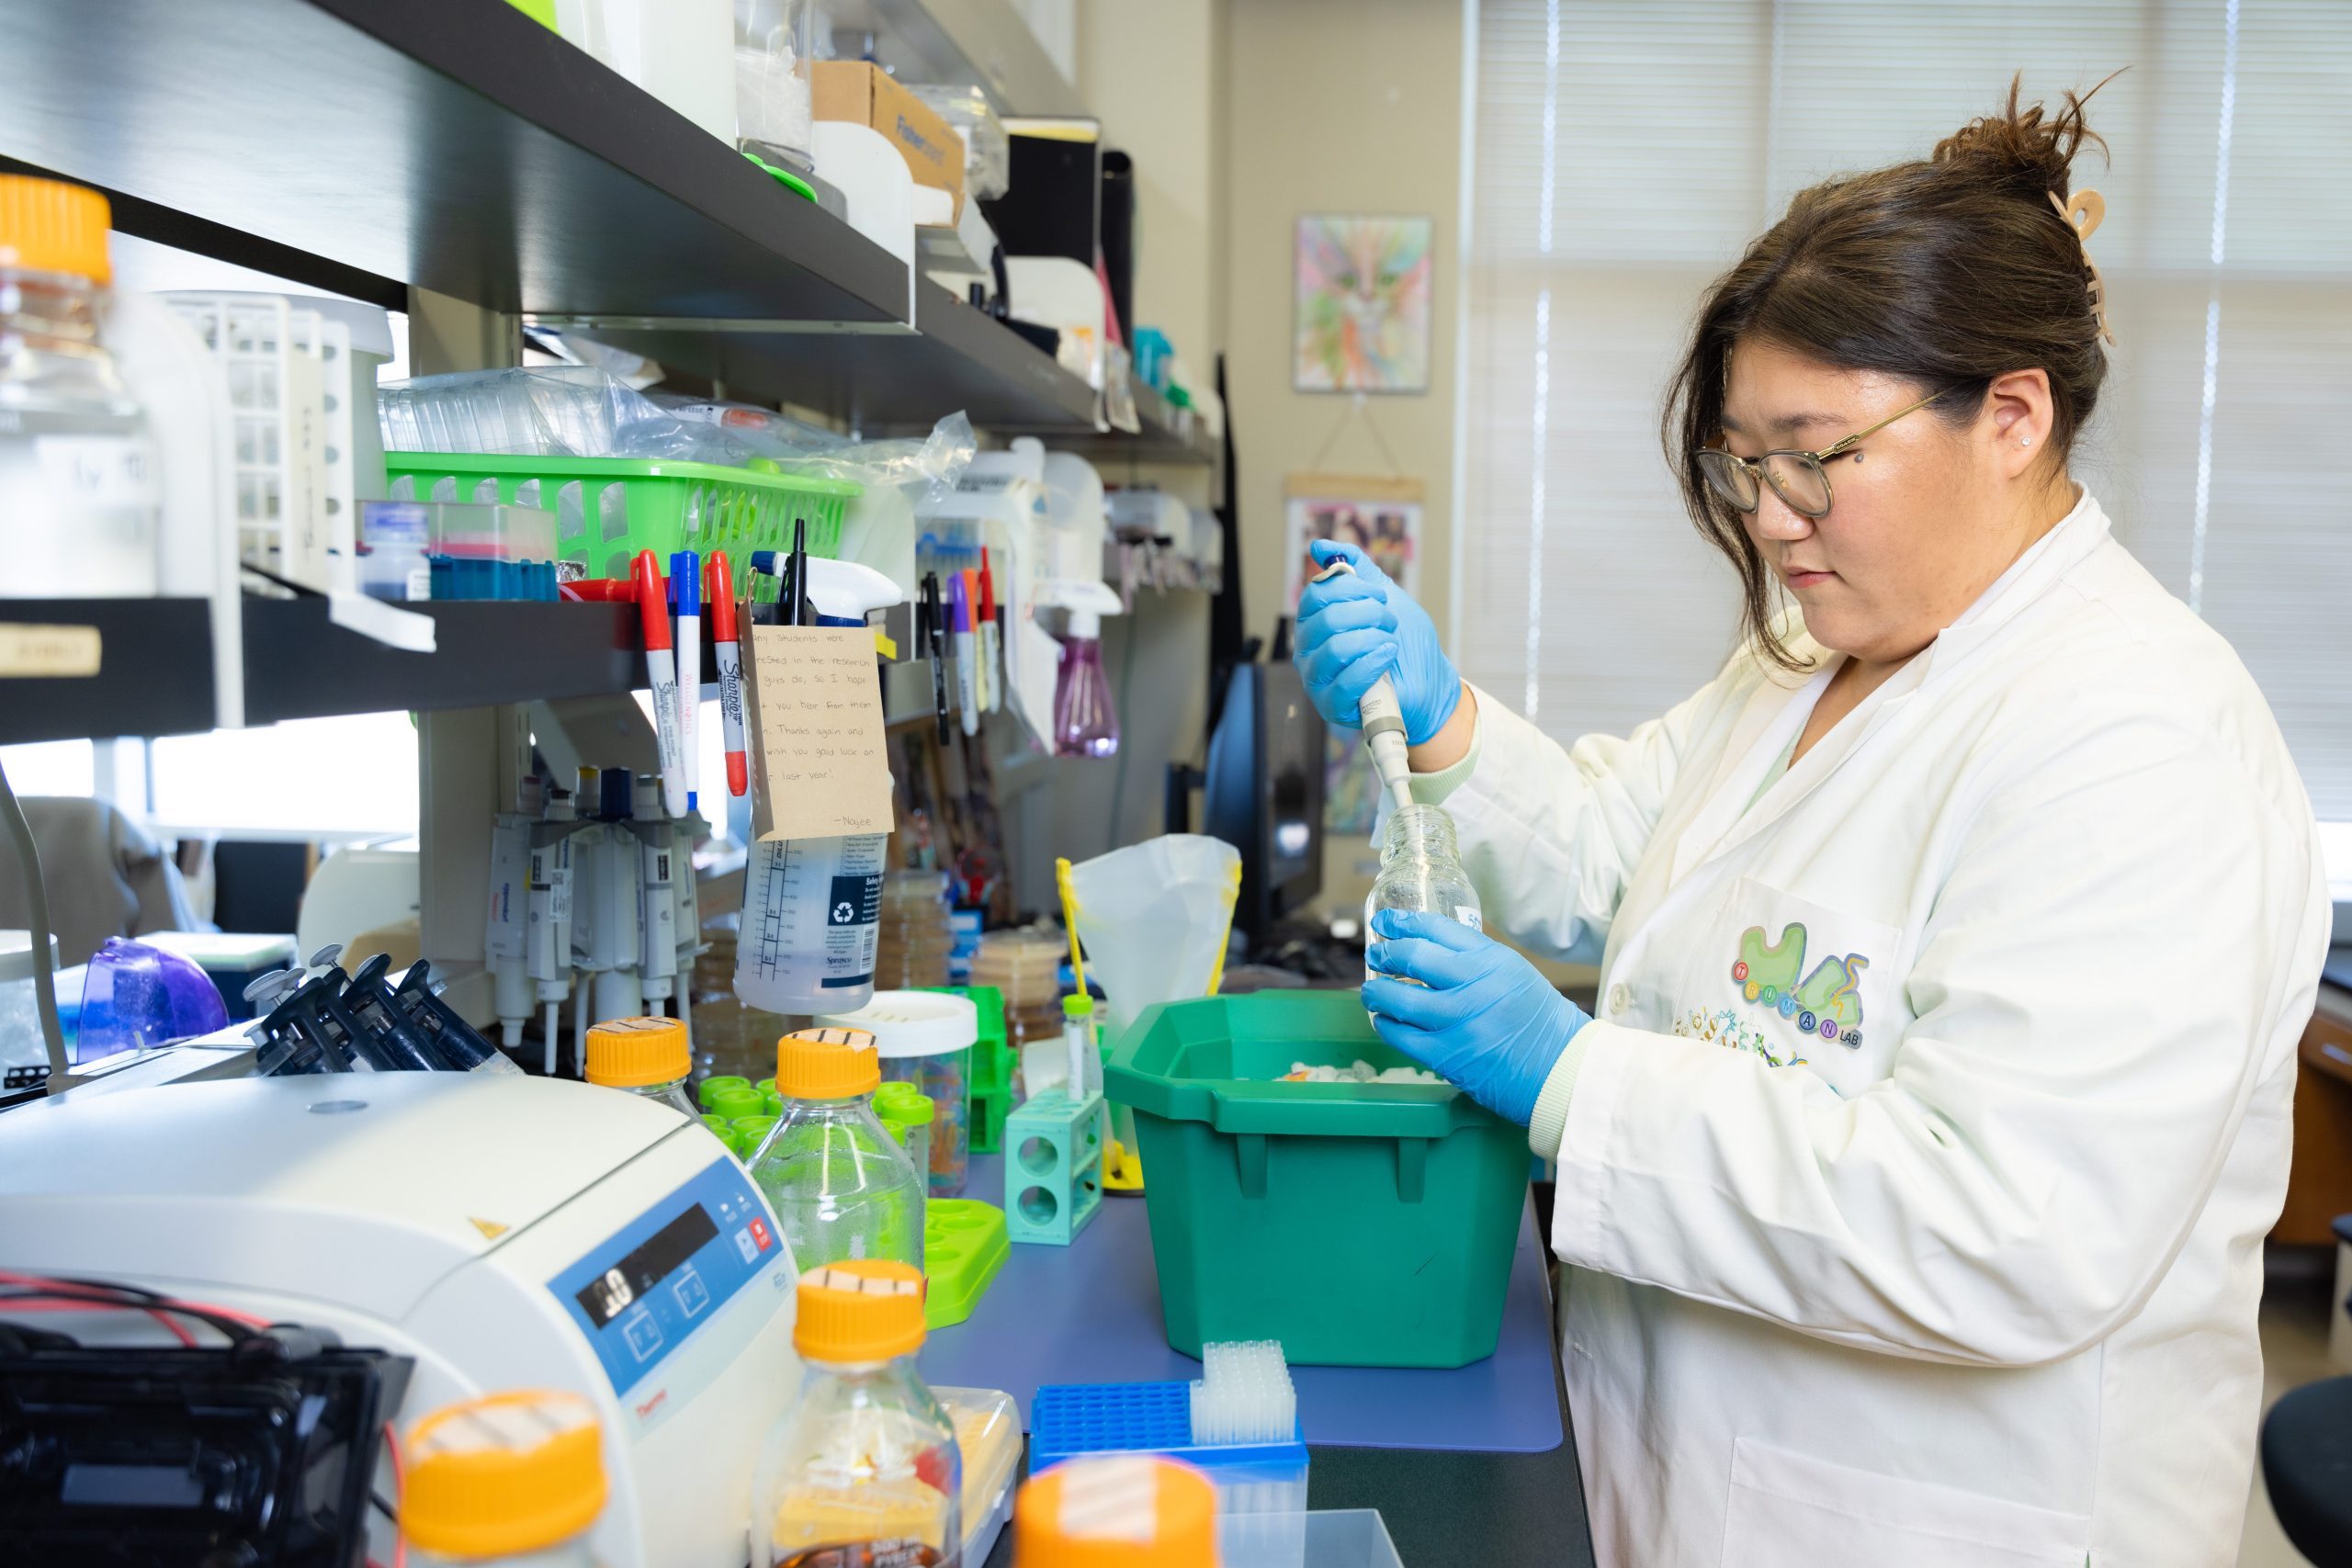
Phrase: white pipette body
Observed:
(1384, 722)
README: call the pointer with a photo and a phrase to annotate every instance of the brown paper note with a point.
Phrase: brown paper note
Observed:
(812, 712)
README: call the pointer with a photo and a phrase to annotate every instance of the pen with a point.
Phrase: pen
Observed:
(795, 609)
(930, 612)
(729, 653)
(686, 584)
(662, 676)
(967, 668)
(991, 642)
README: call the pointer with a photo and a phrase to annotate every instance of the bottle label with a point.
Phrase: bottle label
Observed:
(1468, 917)
(99, 472)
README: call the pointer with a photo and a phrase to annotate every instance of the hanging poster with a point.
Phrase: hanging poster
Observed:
(1362, 311)
(1382, 518)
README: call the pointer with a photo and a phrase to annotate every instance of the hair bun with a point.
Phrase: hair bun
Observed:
(2025, 147)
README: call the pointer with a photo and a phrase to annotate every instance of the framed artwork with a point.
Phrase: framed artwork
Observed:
(1363, 305)
(1382, 518)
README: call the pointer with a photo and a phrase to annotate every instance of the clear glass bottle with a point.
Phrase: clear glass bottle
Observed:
(516, 1480)
(864, 1473)
(1420, 869)
(80, 484)
(643, 1055)
(841, 1186)
(1085, 724)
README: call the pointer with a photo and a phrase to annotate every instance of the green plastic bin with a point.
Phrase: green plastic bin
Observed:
(1361, 1224)
(607, 509)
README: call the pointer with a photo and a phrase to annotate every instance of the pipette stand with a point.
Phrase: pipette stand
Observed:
(1053, 1166)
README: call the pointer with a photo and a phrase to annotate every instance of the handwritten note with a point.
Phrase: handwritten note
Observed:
(812, 708)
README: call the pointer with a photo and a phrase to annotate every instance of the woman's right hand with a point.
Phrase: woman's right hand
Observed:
(1355, 630)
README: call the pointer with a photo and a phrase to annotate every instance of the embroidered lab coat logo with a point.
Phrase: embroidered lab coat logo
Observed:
(1827, 1002)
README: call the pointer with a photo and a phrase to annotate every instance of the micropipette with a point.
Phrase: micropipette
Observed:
(1384, 722)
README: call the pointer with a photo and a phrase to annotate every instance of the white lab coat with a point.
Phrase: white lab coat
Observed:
(1966, 1272)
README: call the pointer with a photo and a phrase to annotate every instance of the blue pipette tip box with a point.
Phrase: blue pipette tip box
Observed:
(1067, 1420)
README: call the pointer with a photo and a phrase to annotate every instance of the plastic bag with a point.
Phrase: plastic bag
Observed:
(988, 149)
(1153, 918)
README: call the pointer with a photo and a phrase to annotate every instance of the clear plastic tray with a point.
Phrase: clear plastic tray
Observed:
(1353, 1537)
(988, 1433)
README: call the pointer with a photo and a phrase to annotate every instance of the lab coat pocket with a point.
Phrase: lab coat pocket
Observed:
(1791, 1511)
(1796, 981)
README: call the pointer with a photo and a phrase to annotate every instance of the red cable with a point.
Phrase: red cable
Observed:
(75, 1288)
(162, 1314)
(399, 1497)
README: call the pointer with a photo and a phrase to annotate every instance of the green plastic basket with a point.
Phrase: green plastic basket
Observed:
(607, 509)
(1360, 1225)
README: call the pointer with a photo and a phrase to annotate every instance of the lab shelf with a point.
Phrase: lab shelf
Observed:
(366, 146)
(155, 668)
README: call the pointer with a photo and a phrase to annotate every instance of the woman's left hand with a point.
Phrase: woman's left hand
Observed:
(1482, 1016)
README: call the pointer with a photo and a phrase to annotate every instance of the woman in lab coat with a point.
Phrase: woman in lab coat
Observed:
(1914, 1175)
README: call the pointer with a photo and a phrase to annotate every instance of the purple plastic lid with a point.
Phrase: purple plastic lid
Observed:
(139, 995)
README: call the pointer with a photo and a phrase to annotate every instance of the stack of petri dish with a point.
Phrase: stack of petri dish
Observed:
(916, 940)
(1026, 966)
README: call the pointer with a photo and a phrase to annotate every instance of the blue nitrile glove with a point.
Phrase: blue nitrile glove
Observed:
(1354, 630)
(1482, 1017)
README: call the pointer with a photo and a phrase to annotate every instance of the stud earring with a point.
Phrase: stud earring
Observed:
(2025, 440)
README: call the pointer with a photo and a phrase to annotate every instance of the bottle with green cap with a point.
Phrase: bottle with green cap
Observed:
(733, 1104)
(750, 1132)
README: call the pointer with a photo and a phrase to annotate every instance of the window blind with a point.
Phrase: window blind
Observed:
(1622, 155)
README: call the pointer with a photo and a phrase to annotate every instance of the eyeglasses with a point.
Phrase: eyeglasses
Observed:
(1799, 478)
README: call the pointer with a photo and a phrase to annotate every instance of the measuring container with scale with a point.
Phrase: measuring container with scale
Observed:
(812, 912)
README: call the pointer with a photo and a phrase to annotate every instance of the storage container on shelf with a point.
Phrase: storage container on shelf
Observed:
(841, 1186)
(914, 939)
(1268, 1200)
(80, 478)
(608, 509)
(508, 1478)
(867, 1459)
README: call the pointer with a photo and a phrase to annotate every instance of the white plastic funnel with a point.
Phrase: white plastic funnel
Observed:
(1153, 920)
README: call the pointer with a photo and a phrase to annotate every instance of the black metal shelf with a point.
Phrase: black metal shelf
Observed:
(452, 144)
(156, 665)
(365, 146)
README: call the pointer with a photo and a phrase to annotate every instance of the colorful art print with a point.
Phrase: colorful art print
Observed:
(1363, 311)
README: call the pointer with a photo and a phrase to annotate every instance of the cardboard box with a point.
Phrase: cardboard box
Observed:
(861, 93)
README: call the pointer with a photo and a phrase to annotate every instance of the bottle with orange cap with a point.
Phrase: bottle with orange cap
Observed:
(643, 1055)
(80, 482)
(864, 1473)
(841, 1187)
(515, 1479)
(1116, 1511)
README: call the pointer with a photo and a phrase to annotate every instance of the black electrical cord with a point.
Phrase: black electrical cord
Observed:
(109, 1293)
(61, 1072)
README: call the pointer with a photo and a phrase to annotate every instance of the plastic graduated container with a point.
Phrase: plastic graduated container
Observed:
(1261, 1487)
(1270, 1201)
(925, 1038)
(610, 507)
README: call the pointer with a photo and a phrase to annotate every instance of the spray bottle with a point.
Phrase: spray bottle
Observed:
(813, 907)
(506, 938)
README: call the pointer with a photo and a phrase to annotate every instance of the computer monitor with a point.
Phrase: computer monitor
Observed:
(1263, 793)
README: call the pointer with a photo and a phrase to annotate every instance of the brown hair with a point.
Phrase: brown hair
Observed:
(1948, 273)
